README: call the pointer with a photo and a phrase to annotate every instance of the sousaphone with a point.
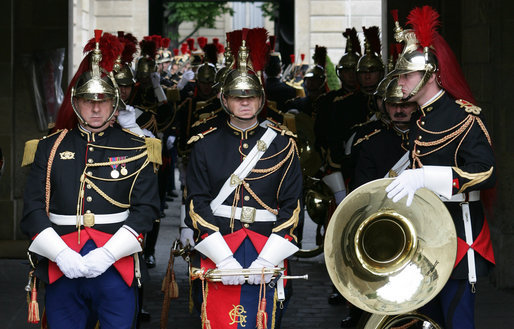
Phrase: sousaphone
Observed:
(387, 258)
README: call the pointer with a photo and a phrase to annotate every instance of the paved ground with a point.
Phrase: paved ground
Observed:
(308, 308)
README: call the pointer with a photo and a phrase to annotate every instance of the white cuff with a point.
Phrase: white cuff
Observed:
(183, 216)
(438, 179)
(277, 249)
(123, 243)
(335, 181)
(48, 244)
(214, 247)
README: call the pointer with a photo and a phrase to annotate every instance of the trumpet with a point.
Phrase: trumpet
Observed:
(214, 275)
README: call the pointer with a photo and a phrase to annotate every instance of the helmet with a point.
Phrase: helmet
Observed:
(242, 81)
(371, 61)
(123, 72)
(124, 75)
(98, 83)
(146, 63)
(164, 54)
(352, 52)
(206, 73)
(382, 86)
(393, 92)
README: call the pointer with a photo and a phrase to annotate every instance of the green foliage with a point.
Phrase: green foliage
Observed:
(332, 79)
(202, 14)
(270, 10)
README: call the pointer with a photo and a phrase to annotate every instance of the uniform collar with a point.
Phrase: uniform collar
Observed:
(435, 98)
(93, 137)
(243, 134)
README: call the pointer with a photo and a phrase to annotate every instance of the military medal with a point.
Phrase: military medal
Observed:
(114, 173)
(123, 169)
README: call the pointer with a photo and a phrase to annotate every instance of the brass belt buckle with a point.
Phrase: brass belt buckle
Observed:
(247, 215)
(89, 219)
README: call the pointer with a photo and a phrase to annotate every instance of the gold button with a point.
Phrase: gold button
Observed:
(89, 160)
(91, 148)
(246, 225)
(247, 198)
(90, 173)
(419, 137)
(245, 145)
(88, 186)
(422, 123)
(418, 151)
(88, 211)
(89, 199)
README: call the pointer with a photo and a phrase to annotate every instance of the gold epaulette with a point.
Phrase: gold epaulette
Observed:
(365, 138)
(468, 107)
(274, 122)
(204, 119)
(282, 129)
(29, 151)
(200, 135)
(154, 148)
(340, 98)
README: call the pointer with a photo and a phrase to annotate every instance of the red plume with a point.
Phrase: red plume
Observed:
(121, 34)
(148, 47)
(235, 38)
(211, 53)
(165, 43)
(175, 51)
(353, 39)
(110, 47)
(259, 50)
(424, 21)
(320, 56)
(132, 38)
(302, 56)
(202, 41)
(191, 43)
(372, 34)
(157, 39)
(221, 48)
(129, 50)
(183, 48)
(216, 41)
(394, 13)
(272, 42)
(292, 57)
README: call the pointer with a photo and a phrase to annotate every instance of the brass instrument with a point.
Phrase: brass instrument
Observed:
(386, 258)
(214, 275)
(408, 320)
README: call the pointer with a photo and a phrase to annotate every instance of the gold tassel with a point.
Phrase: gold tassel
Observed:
(29, 152)
(33, 305)
(153, 146)
(262, 316)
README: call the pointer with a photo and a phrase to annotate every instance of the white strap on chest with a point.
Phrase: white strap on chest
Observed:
(244, 168)
(399, 166)
(466, 216)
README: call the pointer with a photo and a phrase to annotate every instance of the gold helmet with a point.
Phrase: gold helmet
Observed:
(164, 54)
(371, 61)
(206, 73)
(382, 86)
(98, 83)
(393, 92)
(243, 81)
(146, 63)
(123, 72)
(352, 52)
(320, 60)
(416, 54)
(222, 73)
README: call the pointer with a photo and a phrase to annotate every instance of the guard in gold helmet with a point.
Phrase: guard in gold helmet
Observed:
(450, 154)
(240, 224)
(90, 196)
(347, 65)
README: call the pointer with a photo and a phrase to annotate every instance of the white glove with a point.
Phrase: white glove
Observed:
(230, 263)
(98, 261)
(148, 133)
(186, 237)
(127, 120)
(406, 184)
(186, 77)
(71, 264)
(259, 264)
(157, 88)
(169, 142)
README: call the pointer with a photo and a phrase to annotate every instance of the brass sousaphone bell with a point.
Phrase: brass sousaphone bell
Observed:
(387, 258)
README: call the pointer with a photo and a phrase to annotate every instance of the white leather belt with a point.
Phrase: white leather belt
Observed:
(461, 197)
(99, 219)
(261, 215)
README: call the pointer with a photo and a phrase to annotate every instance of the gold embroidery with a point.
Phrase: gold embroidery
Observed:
(365, 138)
(67, 155)
(469, 107)
(293, 222)
(474, 179)
(237, 315)
(197, 219)
(235, 180)
(261, 146)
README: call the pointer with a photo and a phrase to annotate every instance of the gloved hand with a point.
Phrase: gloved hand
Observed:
(186, 77)
(98, 261)
(259, 264)
(71, 264)
(155, 77)
(186, 237)
(169, 142)
(148, 133)
(127, 120)
(407, 183)
(230, 263)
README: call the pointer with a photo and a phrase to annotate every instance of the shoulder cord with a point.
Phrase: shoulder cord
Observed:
(49, 169)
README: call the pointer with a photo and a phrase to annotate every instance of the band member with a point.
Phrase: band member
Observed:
(451, 155)
(90, 195)
(244, 186)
